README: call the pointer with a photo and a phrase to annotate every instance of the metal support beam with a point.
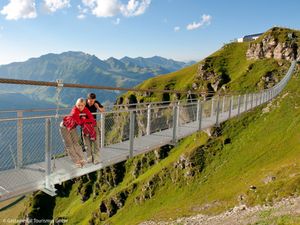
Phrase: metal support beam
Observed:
(175, 123)
(230, 107)
(218, 112)
(49, 187)
(102, 130)
(246, 102)
(239, 104)
(148, 119)
(199, 114)
(212, 107)
(20, 139)
(131, 133)
(223, 103)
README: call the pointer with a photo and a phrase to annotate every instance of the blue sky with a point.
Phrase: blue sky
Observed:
(178, 29)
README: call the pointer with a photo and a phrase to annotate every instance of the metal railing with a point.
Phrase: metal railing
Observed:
(36, 139)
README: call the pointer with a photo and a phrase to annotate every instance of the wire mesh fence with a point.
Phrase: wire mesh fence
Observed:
(161, 118)
(116, 127)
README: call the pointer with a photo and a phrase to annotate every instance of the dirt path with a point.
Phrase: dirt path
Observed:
(240, 215)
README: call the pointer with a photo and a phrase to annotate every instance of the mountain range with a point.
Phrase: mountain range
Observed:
(83, 68)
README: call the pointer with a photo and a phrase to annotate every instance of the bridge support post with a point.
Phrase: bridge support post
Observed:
(223, 103)
(212, 107)
(218, 113)
(19, 139)
(49, 188)
(230, 107)
(102, 129)
(131, 133)
(260, 98)
(256, 100)
(272, 94)
(199, 114)
(149, 119)
(239, 104)
(178, 115)
(246, 102)
(197, 110)
(175, 110)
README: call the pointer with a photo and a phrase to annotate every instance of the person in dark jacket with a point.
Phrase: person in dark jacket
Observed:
(81, 116)
(93, 148)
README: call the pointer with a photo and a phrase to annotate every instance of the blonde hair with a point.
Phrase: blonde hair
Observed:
(80, 100)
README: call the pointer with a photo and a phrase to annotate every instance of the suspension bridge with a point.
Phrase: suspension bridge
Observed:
(32, 155)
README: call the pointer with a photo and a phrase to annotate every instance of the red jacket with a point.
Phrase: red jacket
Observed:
(84, 119)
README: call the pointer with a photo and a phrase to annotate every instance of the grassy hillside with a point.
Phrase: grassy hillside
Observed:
(252, 159)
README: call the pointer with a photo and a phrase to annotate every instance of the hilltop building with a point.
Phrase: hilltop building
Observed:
(250, 37)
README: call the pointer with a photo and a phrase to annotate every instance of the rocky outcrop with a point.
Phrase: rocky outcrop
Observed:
(210, 79)
(270, 47)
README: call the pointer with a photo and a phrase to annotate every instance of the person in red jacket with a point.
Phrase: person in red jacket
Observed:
(81, 116)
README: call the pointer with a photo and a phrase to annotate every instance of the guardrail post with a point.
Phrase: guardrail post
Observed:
(239, 104)
(131, 133)
(246, 102)
(49, 188)
(218, 112)
(212, 107)
(260, 98)
(197, 111)
(199, 114)
(102, 129)
(148, 119)
(230, 107)
(178, 115)
(272, 94)
(223, 103)
(175, 123)
(20, 139)
(252, 99)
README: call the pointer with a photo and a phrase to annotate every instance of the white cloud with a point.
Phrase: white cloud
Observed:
(206, 20)
(117, 21)
(19, 9)
(54, 5)
(89, 3)
(176, 29)
(110, 8)
(135, 7)
(81, 16)
(82, 12)
(102, 8)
